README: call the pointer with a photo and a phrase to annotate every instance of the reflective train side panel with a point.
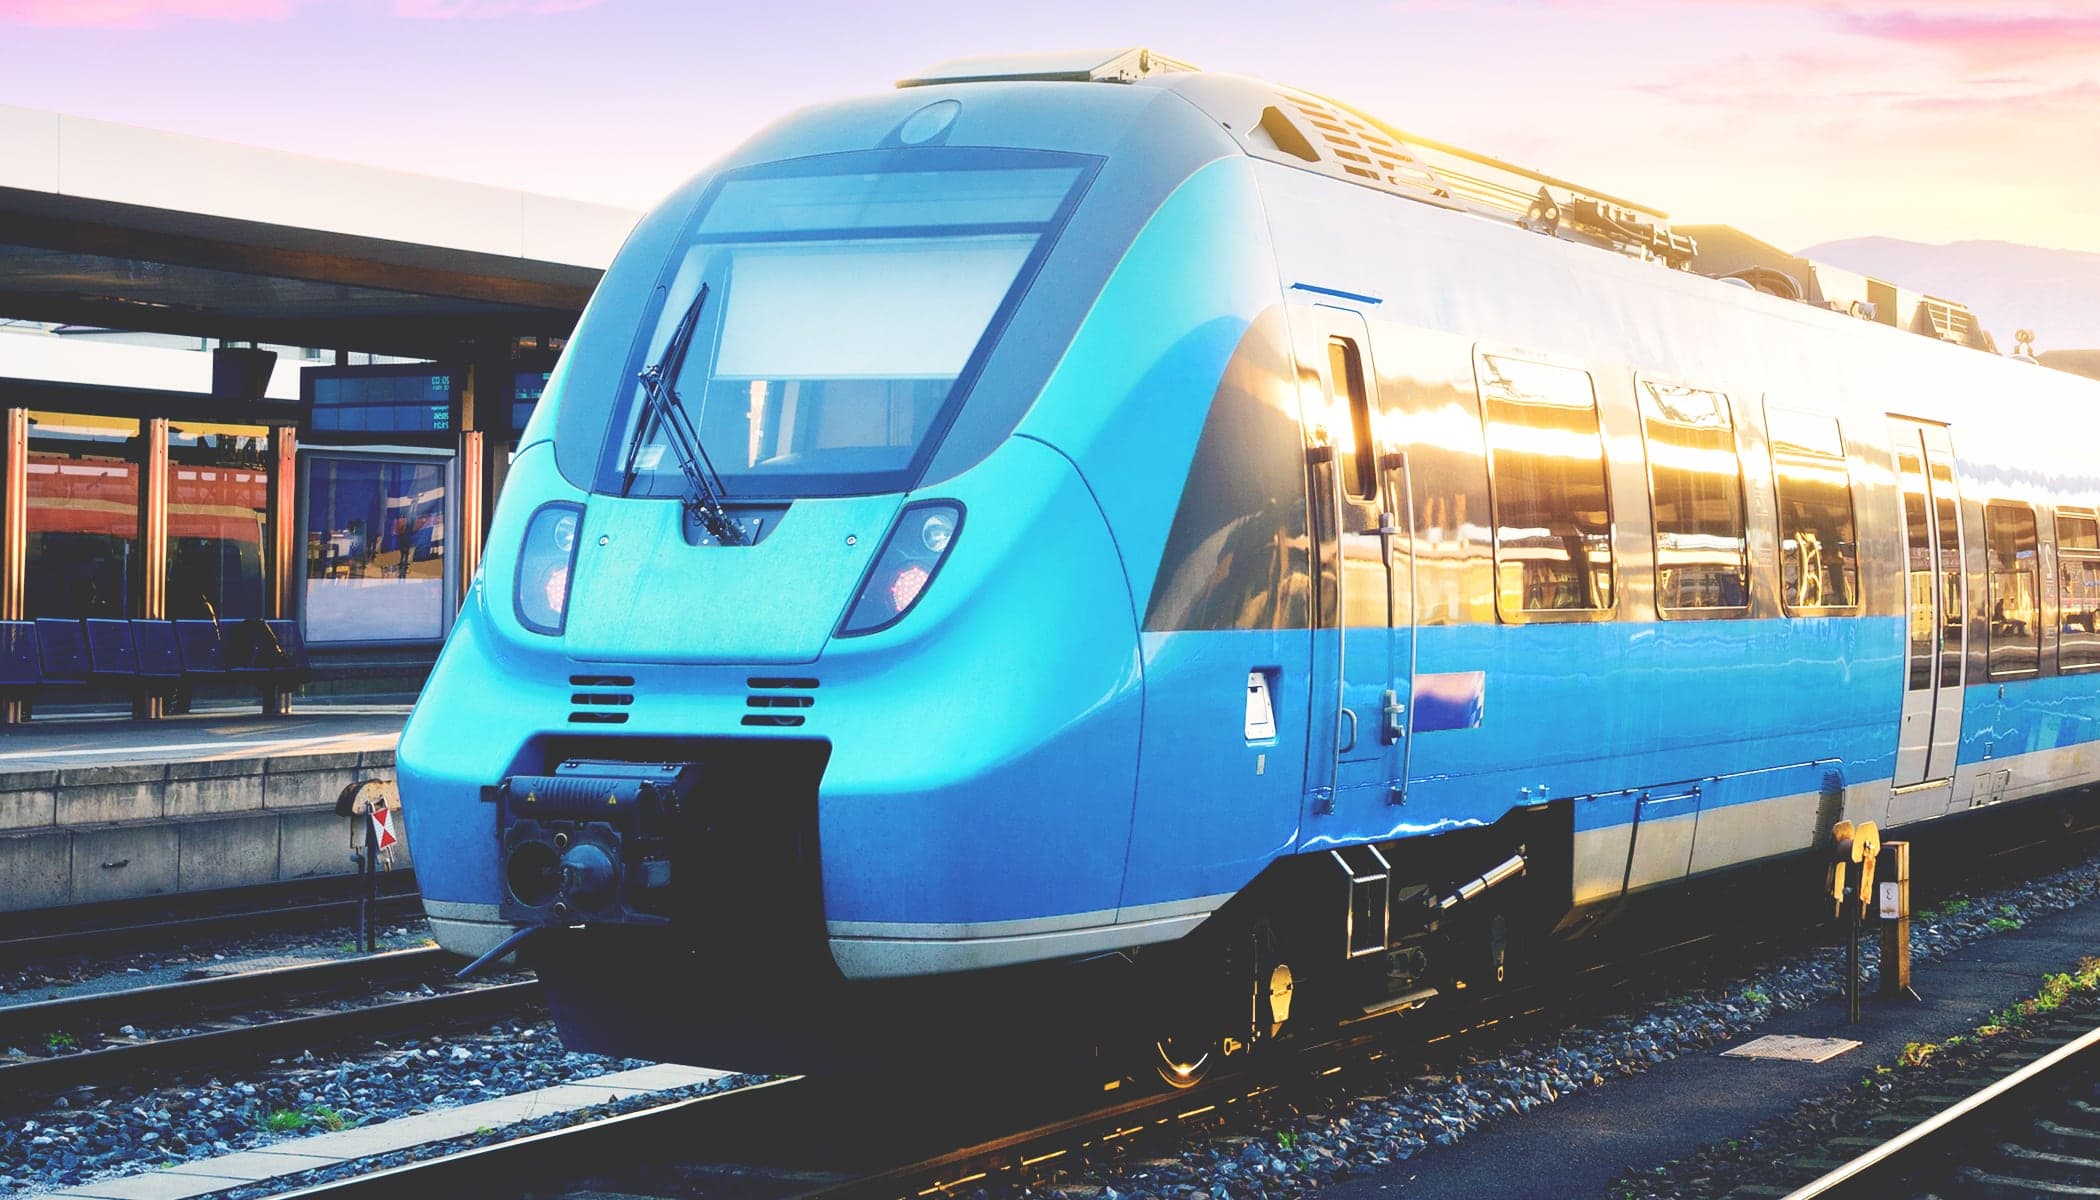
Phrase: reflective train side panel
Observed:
(1171, 561)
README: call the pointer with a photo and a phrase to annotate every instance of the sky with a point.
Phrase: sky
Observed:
(1800, 121)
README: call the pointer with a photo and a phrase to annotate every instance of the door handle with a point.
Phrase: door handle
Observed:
(1395, 717)
(1350, 744)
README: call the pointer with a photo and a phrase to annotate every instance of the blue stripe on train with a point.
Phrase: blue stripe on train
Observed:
(1563, 710)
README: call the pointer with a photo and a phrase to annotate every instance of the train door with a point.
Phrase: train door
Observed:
(1936, 594)
(1366, 491)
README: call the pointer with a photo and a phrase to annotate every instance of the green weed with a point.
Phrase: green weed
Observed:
(299, 1120)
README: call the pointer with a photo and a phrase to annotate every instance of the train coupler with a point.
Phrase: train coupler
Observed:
(591, 842)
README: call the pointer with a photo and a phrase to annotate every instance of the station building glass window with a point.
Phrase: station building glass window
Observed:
(2078, 557)
(83, 516)
(1553, 548)
(375, 549)
(1818, 549)
(1702, 556)
(2015, 569)
(218, 520)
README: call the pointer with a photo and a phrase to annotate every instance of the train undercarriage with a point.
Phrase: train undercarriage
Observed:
(620, 870)
(1318, 941)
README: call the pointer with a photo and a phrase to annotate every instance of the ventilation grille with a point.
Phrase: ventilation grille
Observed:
(1364, 151)
(779, 701)
(600, 699)
(1950, 321)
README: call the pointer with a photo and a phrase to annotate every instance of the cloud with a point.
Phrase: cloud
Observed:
(137, 14)
(472, 10)
(1837, 8)
(1996, 39)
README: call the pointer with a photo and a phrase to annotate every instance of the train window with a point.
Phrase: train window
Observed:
(841, 306)
(1921, 601)
(1818, 550)
(2015, 567)
(2077, 531)
(1552, 506)
(1695, 477)
(2078, 546)
(1345, 366)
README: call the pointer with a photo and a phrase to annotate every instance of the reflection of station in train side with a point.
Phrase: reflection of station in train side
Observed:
(160, 463)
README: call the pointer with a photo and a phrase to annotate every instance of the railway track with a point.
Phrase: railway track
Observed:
(159, 922)
(2032, 1133)
(129, 1034)
(810, 1139)
(807, 1138)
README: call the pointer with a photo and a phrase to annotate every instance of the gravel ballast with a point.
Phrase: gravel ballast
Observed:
(128, 1131)
(1272, 1148)
(1293, 1146)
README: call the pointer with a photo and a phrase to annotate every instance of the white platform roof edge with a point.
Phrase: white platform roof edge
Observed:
(52, 359)
(66, 155)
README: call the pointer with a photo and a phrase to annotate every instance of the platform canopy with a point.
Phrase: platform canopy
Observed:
(126, 228)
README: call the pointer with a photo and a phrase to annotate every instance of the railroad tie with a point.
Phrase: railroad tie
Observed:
(1984, 1185)
(2069, 1139)
(2042, 1164)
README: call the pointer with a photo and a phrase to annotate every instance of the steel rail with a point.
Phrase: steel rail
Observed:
(744, 1130)
(1880, 1172)
(741, 1131)
(42, 943)
(153, 1003)
(694, 1124)
(24, 1082)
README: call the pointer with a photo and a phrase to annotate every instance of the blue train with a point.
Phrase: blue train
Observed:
(1104, 530)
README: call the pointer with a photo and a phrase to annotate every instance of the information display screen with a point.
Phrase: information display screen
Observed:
(412, 398)
(526, 389)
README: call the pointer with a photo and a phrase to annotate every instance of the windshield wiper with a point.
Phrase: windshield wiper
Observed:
(661, 406)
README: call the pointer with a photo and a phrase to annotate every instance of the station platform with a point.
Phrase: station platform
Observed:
(96, 810)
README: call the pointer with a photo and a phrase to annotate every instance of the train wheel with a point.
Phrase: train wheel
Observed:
(1183, 1063)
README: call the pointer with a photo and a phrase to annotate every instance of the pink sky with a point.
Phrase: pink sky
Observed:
(1801, 121)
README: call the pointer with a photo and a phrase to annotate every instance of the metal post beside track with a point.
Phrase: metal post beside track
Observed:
(369, 803)
(1851, 888)
(1852, 967)
(1894, 907)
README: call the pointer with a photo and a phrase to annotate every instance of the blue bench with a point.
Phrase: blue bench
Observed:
(62, 648)
(270, 650)
(21, 667)
(158, 655)
(199, 645)
(146, 655)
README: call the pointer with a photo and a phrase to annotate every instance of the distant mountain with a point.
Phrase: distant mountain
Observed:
(2056, 293)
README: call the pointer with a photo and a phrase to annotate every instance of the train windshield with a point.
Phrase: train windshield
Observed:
(851, 301)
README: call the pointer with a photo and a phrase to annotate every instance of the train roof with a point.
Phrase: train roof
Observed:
(1311, 132)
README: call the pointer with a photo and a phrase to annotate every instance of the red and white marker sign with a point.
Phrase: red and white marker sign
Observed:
(383, 827)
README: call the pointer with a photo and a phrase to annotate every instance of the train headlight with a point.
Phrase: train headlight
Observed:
(545, 564)
(905, 566)
(935, 529)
